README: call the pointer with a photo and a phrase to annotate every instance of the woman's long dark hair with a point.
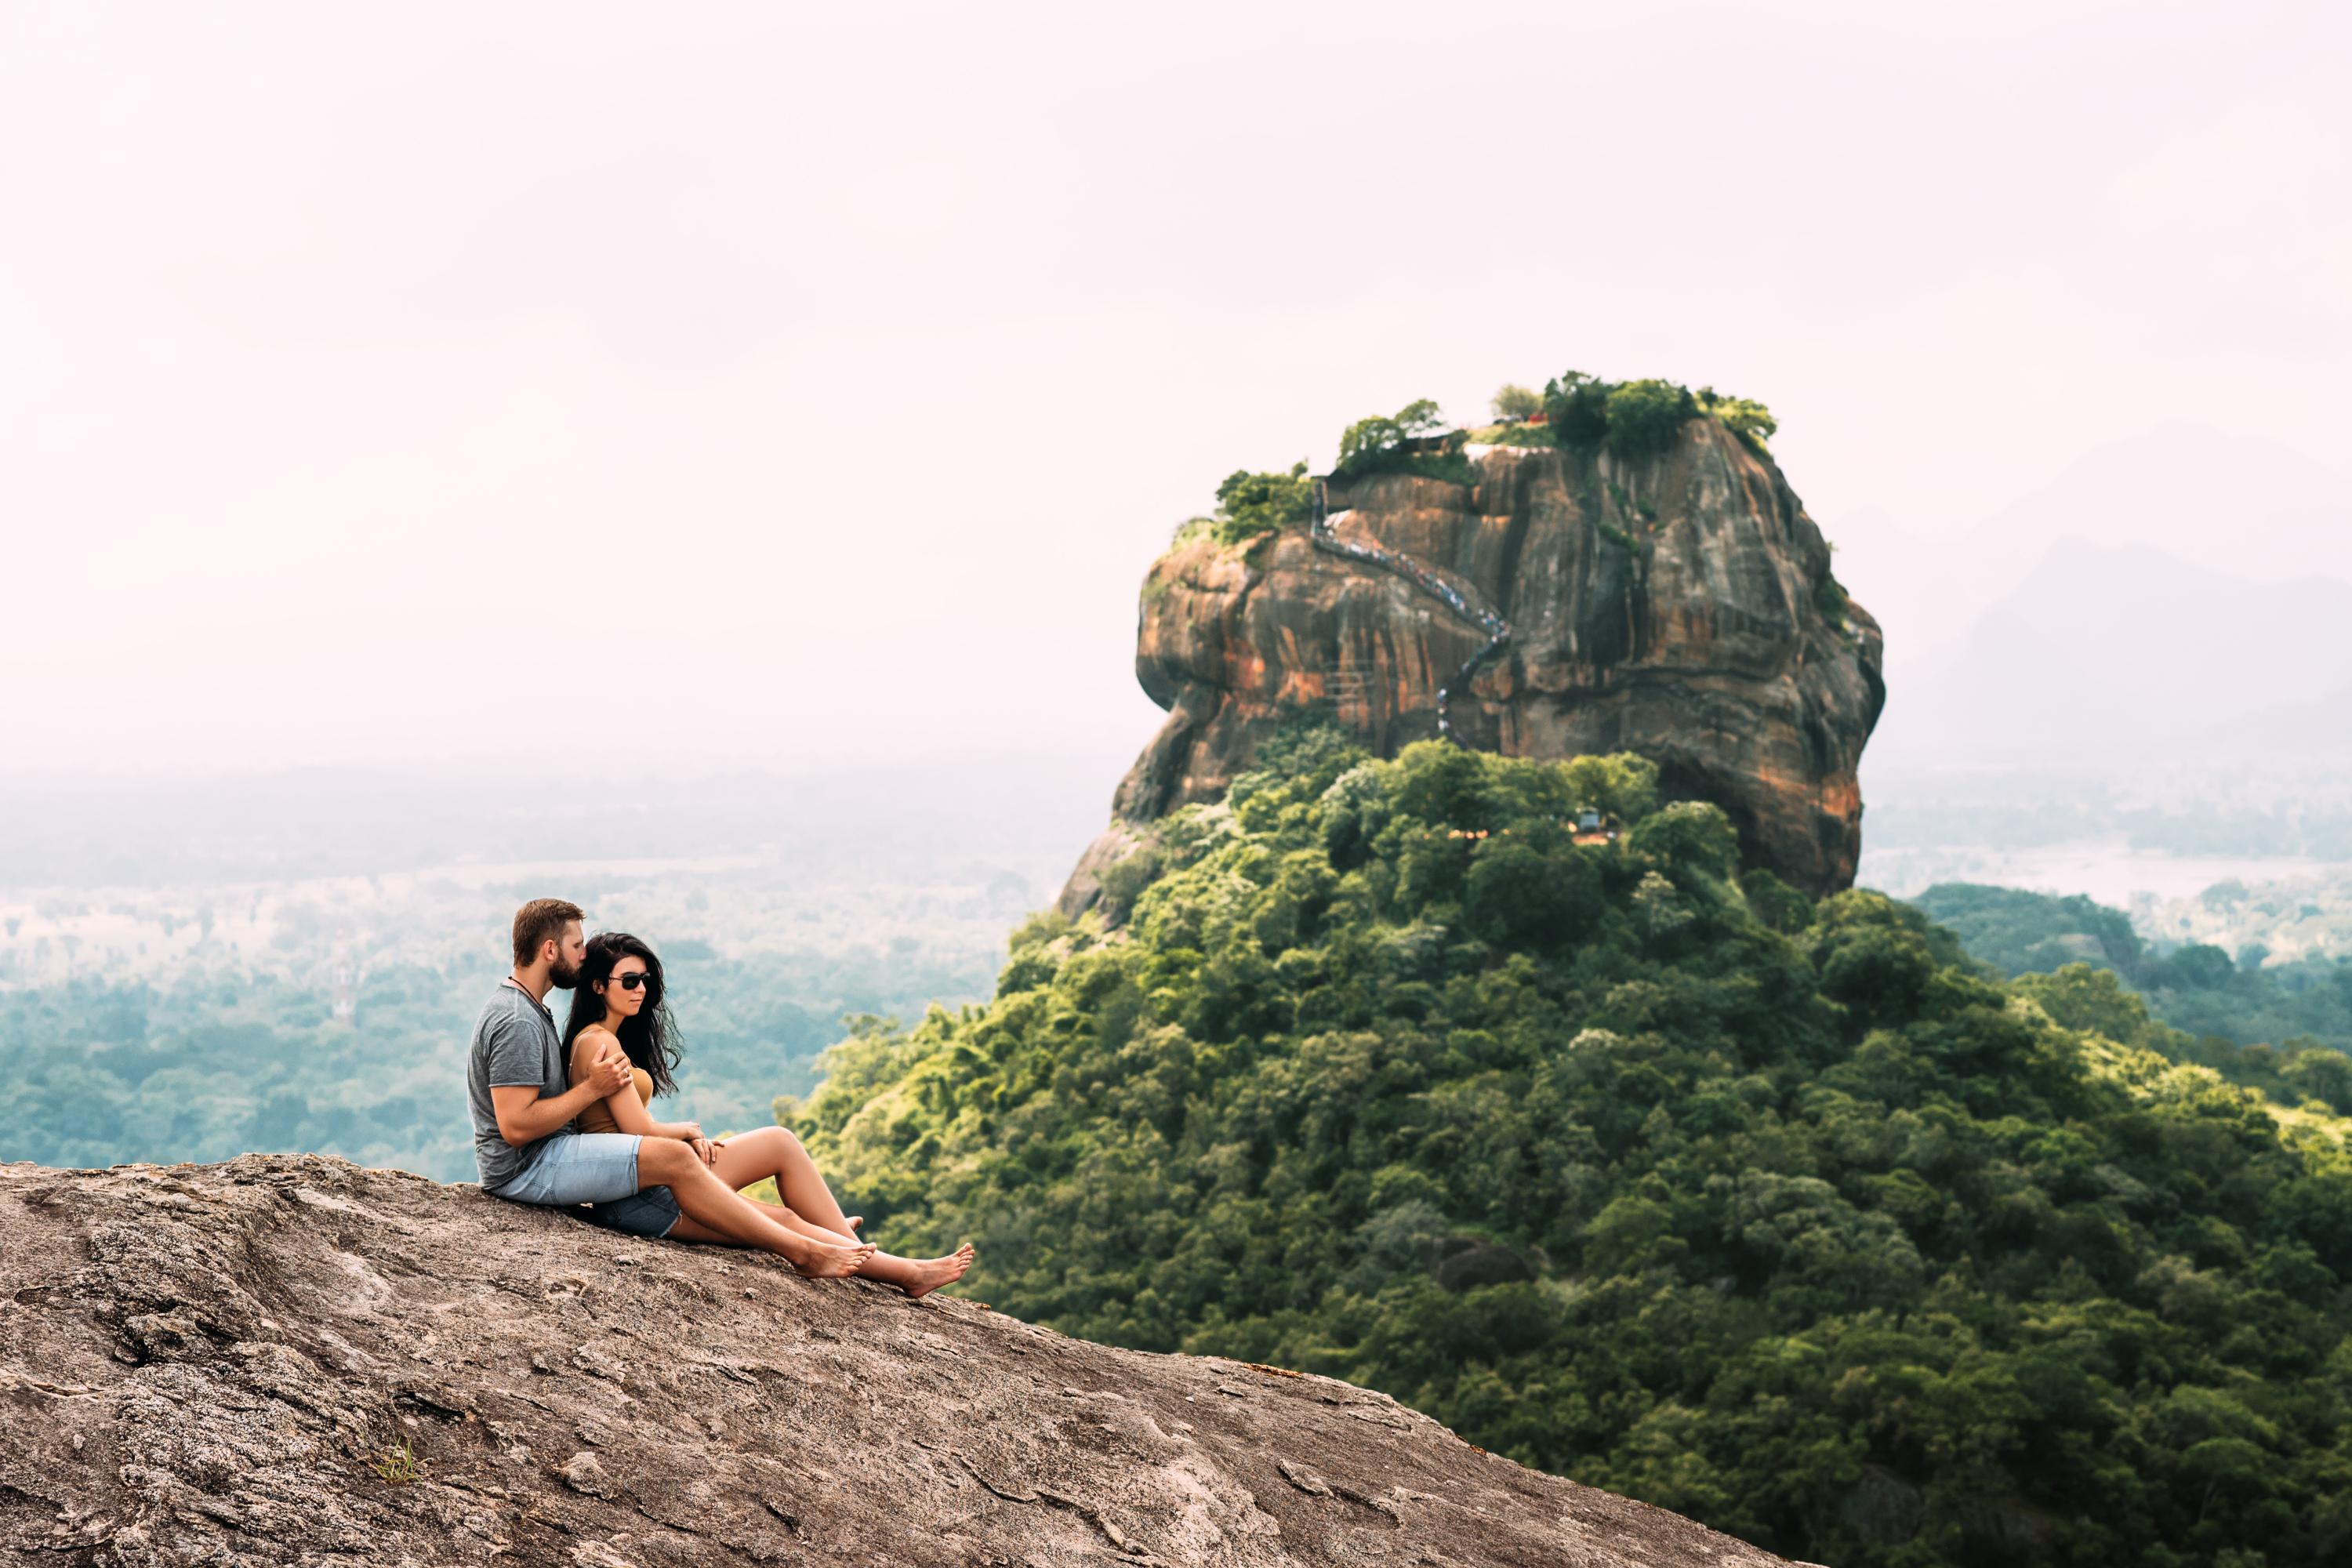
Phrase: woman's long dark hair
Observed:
(650, 1039)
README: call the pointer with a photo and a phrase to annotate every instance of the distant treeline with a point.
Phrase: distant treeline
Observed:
(2197, 988)
(208, 1067)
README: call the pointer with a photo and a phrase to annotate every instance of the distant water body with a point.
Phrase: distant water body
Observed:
(2111, 870)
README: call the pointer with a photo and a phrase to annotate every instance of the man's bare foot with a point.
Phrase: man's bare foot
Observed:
(933, 1272)
(823, 1260)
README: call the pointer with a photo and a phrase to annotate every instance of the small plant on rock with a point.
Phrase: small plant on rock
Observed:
(398, 1466)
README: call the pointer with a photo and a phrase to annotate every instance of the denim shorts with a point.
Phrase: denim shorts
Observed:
(600, 1170)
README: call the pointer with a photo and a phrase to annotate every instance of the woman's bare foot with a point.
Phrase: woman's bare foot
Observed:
(933, 1272)
(823, 1260)
(855, 1220)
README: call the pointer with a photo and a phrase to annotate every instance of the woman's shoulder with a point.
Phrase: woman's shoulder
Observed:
(593, 1038)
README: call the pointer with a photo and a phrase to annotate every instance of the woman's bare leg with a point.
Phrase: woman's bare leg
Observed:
(916, 1277)
(773, 1151)
(768, 1212)
(777, 1153)
(722, 1214)
(751, 1215)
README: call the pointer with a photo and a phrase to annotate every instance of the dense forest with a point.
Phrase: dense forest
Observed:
(1638, 1167)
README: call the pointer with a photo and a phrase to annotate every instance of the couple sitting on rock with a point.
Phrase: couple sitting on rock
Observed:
(562, 1119)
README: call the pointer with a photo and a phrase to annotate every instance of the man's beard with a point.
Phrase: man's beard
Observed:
(561, 976)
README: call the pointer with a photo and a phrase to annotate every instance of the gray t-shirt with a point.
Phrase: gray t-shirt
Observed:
(514, 1042)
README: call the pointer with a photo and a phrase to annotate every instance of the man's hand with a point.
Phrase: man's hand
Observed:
(690, 1134)
(609, 1073)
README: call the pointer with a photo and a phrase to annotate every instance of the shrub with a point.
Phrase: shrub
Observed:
(1378, 434)
(1744, 417)
(1643, 416)
(1518, 434)
(1372, 446)
(1830, 599)
(1578, 406)
(1250, 505)
(1637, 417)
(1515, 402)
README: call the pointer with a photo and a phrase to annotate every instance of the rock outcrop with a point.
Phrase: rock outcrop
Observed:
(286, 1359)
(1679, 605)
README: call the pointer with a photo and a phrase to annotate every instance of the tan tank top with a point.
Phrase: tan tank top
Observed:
(598, 1117)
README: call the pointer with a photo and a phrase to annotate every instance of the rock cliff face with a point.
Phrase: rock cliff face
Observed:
(232, 1365)
(1679, 605)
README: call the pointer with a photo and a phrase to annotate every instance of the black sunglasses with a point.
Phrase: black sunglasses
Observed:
(630, 982)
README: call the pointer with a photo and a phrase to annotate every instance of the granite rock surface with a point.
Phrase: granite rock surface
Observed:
(291, 1360)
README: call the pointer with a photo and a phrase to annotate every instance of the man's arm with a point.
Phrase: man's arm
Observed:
(594, 1045)
(515, 1084)
(525, 1118)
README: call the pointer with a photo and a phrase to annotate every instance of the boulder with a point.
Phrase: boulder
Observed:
(1680, 606)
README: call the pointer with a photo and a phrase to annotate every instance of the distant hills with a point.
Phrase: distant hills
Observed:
(2231, 506)
(2147, 651)
(2103, 651)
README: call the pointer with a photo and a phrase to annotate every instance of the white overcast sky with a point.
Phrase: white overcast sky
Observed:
(769, 385)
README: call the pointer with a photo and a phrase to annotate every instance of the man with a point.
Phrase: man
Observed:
(524, 1105)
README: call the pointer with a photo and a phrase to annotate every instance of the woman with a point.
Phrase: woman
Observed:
(618, 1001)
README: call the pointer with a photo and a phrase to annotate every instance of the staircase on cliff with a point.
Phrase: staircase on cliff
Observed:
(1498, 630)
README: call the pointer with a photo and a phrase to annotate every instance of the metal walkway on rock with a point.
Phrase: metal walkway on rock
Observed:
(1498, 630)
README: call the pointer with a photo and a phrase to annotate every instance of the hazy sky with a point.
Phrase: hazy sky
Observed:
(723, 385)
